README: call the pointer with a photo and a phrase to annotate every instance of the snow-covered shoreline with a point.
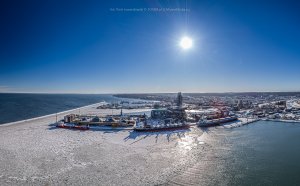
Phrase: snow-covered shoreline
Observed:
(50, 115)
(34, 152)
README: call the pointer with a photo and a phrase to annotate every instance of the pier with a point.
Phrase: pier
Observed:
(240, 122)
(282, 120)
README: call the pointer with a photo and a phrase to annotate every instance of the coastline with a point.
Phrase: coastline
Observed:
(49, 115)
(34, 152)
(38, 153)
(282, 120)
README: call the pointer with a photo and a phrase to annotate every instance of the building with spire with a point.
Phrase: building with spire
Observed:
(179, 100)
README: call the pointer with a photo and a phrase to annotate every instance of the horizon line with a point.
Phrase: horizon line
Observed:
(231, 92)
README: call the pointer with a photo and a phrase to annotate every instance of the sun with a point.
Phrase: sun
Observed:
(186, 43)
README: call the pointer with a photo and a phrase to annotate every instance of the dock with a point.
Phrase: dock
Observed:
(240, 122)
(282, 120)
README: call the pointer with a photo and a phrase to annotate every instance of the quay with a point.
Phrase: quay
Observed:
(282, 120)
(241, 122)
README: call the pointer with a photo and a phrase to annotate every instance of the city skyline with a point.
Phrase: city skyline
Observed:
(134, 46)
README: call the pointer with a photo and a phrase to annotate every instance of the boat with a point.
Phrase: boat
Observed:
(159, 125)
(215, 122)
(72, 126)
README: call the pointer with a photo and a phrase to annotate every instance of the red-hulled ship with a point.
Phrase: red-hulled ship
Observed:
(72, 126)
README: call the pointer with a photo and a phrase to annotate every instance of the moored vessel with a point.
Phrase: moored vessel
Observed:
(159, 125)
(215, 122)
(72, 126)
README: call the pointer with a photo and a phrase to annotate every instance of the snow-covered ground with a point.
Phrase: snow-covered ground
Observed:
(34, 152)
(292, 104)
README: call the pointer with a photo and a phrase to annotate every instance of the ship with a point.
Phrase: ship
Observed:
(215, 122)
(154, 125)
(172, 118)
(72, 126)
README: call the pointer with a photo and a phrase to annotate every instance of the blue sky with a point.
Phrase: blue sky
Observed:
(84, 47)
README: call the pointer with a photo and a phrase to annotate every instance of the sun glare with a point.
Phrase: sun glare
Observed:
(186, 43)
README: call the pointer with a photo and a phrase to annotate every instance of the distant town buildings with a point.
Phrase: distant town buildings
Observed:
(263, 105)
